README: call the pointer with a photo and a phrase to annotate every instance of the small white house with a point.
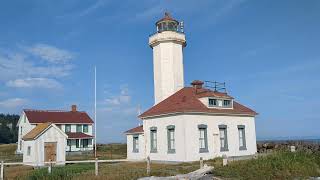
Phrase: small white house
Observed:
(76, 124)
(46, 142)
(188, 123)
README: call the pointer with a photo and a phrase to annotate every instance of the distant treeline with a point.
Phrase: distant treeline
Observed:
(8, 128)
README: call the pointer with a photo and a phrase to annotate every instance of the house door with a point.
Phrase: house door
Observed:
(50, 151)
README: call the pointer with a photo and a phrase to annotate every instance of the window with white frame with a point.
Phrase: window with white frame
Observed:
(223, 138)
(203, 140)
(85, 128)
(67, 128)
(171, 139)
(242, 137)
(29, 150)
(79, 128)
(135, 143)
(213, 102)
(153, 139)
(226, 103)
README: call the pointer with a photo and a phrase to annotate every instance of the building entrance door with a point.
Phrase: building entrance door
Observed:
(50, 151)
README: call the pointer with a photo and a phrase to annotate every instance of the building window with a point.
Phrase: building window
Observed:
(79, 128)
(77, 143)
(242, 137)
(85, 143)
(85, 128)
(29, 150)
(59, 126)
(67, 128)
(226, 103)
(153, 139)
(171, 139)
(203, 138)
(223, 138)
(213, 102)
(68, 142)
(20, 145)
(135, 144)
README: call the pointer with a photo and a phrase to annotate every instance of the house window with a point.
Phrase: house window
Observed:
(135, 143)
(29, 150)
(171, 139)
(68, 142)
(153, 139)
(77, 143)
(79, 128)
(226, 103)
(59, 126)
(213, 102)
(203, 138)
(85, 143)
(20, 145)
(223, 138)
(242, 137)
(67, 128)
(85, 128)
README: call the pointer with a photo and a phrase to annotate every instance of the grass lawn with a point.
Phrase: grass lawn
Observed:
(280, 165)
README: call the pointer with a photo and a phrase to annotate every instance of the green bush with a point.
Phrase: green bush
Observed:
(280, 165)
(62, 172)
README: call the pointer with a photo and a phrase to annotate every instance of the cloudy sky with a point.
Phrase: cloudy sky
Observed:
(267, 52)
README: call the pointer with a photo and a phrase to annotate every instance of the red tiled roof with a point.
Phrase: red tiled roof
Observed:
(186, 100)
(78, 135)
(57, 117)
(138, 129)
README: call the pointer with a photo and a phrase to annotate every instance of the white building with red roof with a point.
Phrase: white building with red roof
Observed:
(77, 125)
(188, 123)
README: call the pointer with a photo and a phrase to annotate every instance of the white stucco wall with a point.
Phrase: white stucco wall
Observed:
(167, 63)
(187, 136)
(37, 155)
(135, 155)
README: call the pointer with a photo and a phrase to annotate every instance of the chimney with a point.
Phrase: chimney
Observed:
(74, 108)
(197, 84)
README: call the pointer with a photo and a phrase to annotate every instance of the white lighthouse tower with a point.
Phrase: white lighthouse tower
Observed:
(167, 44)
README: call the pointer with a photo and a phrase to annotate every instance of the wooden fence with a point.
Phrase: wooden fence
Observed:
(50, 164)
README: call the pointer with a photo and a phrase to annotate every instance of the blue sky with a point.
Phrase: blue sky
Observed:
(267, 52)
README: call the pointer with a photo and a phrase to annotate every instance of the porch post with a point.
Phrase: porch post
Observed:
(2, 171)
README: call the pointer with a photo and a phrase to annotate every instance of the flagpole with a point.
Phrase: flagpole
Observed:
(95, 111)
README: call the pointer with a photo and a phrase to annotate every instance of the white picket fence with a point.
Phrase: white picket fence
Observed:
(51, 163)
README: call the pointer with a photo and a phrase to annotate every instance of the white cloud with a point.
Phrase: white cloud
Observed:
(122, 98)
(34, 83)
(19, 69)
(12, 103)
(50, 53)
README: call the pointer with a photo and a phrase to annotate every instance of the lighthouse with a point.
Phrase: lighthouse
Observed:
(167, 45)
